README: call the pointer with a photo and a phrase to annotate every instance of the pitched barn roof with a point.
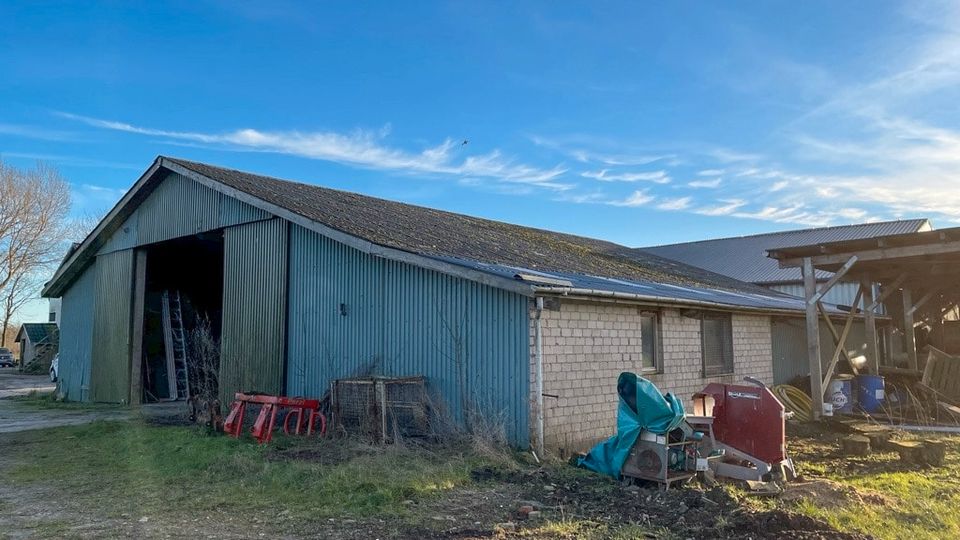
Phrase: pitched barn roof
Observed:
(745, 257)
(38, 332)
(526, 259)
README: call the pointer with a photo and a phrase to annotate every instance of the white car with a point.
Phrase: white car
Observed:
(55, 368)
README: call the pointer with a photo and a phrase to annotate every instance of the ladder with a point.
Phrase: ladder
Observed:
(175, 345)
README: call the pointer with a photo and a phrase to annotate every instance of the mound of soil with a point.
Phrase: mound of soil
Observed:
(690, 512)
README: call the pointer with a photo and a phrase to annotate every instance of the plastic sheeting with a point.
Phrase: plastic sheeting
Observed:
(642, 407)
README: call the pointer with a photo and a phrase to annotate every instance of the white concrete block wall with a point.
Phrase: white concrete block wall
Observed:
(587, 345)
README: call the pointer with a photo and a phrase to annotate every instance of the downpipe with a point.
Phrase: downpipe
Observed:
(538, 364)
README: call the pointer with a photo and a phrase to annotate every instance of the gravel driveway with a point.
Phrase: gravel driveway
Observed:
(16, 416)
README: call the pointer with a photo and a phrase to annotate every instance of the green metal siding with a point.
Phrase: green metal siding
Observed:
(254, 308)
(76, 336)
(179, 206)
(124, 238)
(110, 361)
(469, 340)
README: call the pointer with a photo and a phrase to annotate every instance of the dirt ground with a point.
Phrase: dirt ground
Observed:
(569, 503)
(14, 383)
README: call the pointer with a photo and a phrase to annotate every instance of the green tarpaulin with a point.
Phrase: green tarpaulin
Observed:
(642, 407)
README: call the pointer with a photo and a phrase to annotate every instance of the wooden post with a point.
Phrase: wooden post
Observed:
(813, 337)
(841, 341)
(870, 324)
(136, 348)
(909, 336)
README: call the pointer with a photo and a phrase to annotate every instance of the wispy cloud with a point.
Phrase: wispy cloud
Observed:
(362, 148)
(637, 198)
(679, 203)
(70, 161)
(604, 175)
(725, 207)
(706, 183)
(35, 132)
(710, 172)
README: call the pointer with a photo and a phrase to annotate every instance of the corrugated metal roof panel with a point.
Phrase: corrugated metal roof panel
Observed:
(745, 258)
(658, 292)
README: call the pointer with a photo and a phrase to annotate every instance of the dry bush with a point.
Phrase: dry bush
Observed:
(203, 368)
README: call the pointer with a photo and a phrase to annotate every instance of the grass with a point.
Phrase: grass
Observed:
(899, 501)
(134, 468)
(48, 400)
(123, 470)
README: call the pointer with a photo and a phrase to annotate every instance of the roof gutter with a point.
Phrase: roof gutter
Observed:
(661, 300)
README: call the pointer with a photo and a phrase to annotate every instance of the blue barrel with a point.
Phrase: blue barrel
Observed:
(870, 392)
(840, 394)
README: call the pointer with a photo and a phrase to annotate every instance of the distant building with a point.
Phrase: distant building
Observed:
(745, 258)
(39, 343)
(54, 311)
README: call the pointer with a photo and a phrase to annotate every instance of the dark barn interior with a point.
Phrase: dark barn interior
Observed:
(191, 269)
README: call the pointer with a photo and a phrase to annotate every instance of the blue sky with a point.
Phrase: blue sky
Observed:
(639, 122)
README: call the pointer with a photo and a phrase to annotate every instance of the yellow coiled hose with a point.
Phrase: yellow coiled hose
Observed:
(796, 401)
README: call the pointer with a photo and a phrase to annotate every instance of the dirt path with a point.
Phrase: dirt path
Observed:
(14, 383)
(16, 416)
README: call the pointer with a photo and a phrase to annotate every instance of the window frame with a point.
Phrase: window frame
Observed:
(724, 368)
(657, 342)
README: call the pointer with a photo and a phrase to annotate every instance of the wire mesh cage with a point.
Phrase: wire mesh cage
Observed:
(382, 408)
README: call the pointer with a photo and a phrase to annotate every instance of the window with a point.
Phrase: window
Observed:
(53, 316)
(716, 335)
(649, 342)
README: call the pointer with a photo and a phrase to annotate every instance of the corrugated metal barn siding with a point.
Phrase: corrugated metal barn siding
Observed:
(123, 238)
(254, 308)
(469, 340)
(110, 360)
(843, 293)
(76, 336)
(790, 347)
(180, 206)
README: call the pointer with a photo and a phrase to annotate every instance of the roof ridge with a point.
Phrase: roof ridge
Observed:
(919, 220)
(393, 201)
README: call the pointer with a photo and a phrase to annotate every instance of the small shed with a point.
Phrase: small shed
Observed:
(919, 283)
(39, 343)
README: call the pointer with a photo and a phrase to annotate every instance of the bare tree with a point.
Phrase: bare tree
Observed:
(33, 225)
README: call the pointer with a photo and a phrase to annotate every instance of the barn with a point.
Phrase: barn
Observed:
(302, 284)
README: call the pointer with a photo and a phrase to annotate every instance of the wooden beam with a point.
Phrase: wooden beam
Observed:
(168, 346)
(887, 291)
(878, 254)
(836, 337)
(813, 337)
(841, 345)
(909, 336)
(923, 300)
(870, 326)
(837, 276)
(136, 348)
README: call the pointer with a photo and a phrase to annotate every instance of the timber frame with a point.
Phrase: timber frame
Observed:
(918, 275)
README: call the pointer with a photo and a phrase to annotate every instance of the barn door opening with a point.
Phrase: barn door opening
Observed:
(182, 310)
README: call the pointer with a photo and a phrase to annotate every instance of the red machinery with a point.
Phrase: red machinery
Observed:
(305, 412)
(747, 423)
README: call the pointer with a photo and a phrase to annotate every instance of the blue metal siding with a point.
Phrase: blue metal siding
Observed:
(469, 340)
(76, 336)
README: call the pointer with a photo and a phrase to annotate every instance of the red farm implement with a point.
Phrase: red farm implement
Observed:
(302, 418)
